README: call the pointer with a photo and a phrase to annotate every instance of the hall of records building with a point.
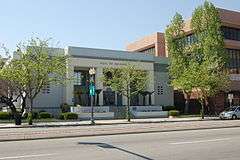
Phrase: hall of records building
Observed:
(76, 92)
(155, 45)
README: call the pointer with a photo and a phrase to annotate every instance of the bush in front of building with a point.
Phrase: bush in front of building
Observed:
(168, 108)
(5, 115)
(68, 116)
(44, 115)
(173, 113)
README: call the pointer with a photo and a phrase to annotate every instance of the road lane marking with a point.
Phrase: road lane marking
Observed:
(26, 156)
(202, 141)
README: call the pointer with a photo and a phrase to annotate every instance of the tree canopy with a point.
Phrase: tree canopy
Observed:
(127, 80)
(199, 65)
(34, 66)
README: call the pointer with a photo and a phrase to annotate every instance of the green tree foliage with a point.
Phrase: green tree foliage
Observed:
(179, 60)
(209, 49)
(36, 65)
(127, 81)
(198, 66)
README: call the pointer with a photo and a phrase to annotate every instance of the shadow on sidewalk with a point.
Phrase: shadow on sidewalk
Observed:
(108, 146)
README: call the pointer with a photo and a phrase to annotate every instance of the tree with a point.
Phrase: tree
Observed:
(209, 49)
(10, 91)
(179, 60)
(37, 66)
(127, 81)
(198, 66)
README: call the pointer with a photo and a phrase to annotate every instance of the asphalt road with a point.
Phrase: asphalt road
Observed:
(214, 144)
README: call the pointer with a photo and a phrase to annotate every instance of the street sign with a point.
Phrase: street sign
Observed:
(92, 89)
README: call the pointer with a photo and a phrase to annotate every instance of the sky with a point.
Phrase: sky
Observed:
(108, 24)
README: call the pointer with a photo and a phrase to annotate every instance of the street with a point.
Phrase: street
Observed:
(212, 144)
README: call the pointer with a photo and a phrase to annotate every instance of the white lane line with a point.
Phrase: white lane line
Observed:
(202, 141)
(26, 156)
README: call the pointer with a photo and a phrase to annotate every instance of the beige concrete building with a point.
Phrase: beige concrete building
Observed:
(76, 91)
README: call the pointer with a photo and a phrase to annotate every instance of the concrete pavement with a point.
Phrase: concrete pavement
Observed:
(220, 144)
(104, 122)
(11, 134)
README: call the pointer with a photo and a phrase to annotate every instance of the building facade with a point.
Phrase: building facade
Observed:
(231, 33)
(75, 92)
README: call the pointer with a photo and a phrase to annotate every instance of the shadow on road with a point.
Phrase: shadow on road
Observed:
(108, 146)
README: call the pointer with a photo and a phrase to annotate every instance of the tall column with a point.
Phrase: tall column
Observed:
(151, 86)
(99, 84)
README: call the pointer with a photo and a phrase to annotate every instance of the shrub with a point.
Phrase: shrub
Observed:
(61, 116)
(35, 115)
(168, 108)
(45, 115)
(65, 107)
(69, 115)
(5, 115)
(173, 113)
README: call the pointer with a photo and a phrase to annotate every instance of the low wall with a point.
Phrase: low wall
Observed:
(160, 114)
(99, 112)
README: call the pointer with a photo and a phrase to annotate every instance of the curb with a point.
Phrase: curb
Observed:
(120, 133)
(73, 125)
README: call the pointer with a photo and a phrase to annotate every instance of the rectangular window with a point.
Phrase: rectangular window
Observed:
(80, 77)
(46, 89)
(234, 61)
(231, 33)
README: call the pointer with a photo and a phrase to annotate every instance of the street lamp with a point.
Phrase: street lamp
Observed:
(92, 73)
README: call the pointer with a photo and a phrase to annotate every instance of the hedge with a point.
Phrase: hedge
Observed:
(68, 115)
(173, 113)
(5, 115)
(44, 115)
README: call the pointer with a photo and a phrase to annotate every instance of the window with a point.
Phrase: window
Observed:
(149, 50)
(80, 77)
(77, 78)
(234, 61)
(231, 33)
(160, 90)
(190, 39)
(46, 89)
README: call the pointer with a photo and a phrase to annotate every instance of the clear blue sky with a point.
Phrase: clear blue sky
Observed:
(107, 24)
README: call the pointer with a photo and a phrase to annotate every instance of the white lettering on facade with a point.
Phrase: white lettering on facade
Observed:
(113, 63)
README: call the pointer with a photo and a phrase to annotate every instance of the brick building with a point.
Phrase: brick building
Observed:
(155, 44)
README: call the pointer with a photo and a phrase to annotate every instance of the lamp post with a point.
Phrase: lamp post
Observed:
(92, 73)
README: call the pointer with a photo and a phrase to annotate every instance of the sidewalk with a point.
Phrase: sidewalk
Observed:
(104, 122)
(14, 134)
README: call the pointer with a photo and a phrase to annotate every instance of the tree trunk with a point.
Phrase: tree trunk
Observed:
(202, 108)
(128, 110)
(16, 115)
(17, 118)
(23, 104)
(30, 116)
(128, 104)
